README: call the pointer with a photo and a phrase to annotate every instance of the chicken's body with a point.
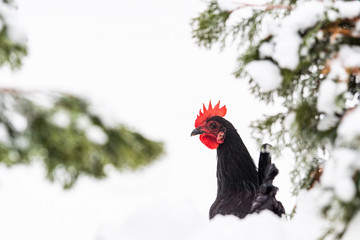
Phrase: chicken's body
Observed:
(238, 183)
(237, 178)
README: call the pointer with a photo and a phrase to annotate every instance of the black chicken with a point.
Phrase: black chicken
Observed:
(241, 188)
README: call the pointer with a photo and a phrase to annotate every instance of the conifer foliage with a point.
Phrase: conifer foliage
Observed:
(305, 56)
(57, 129)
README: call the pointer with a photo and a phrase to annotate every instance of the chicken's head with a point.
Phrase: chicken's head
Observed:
(212, 133)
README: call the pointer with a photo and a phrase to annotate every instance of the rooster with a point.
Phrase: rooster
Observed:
(241, 188)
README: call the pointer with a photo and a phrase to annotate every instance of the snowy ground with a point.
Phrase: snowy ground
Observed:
(137, 62)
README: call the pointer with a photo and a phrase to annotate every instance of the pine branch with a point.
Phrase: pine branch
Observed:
(67, 137)
(210, 26)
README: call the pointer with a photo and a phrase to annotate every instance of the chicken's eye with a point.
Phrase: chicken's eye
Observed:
(212, 126)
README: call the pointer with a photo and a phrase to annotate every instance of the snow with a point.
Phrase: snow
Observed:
(286, 40)
(83, 122)
(332, 15)
(338, 173)
(155, 223)
(18, 121)
(170, 225)
(350, 56)
(15, 31)
(43, 99)
(286, 49)
(4, 135)
(337, 70)
(328, 92)
(313, 10)
(61, 119)
(347, 9)
(342, 9)
(326, 103)
(349, 128)
(307, 216)
(289, 121)
(345, 189)
(230, 227)
(335, 85)
(265, 225)
(327, 121)
(227, 5)
(96, 135)
(266, 49)
(353, 230)
(265, 73)
(357, 27)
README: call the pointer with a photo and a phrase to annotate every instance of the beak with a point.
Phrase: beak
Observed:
(197, 131)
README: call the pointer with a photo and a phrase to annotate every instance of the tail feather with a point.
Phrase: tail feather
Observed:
(265, 198)
(264, 161)
(270, 173)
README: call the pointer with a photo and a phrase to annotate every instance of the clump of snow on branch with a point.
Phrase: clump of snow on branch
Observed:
(61, 119)
(93, 133)
(350, 56)
(349, 128)
(328, 91)
(14, 29)
(4, 135)
(344, 161)
(286, 42)
(336, 85)
(265, 73)
(18, 121)
(96, 135)
(349, 9)
(338, 173)
(286, 38)
(83, 122)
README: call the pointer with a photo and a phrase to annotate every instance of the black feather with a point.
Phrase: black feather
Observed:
(264, 161)
(237, 177)
(265, 198)
(238, 180)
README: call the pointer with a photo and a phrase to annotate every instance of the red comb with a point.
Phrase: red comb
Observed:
(209, 113)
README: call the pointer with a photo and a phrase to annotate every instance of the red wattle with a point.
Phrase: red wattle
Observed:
(209, 141)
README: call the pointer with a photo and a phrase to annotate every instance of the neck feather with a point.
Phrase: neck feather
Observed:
(236, 171)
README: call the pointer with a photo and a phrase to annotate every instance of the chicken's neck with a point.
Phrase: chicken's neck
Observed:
(236, 171)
